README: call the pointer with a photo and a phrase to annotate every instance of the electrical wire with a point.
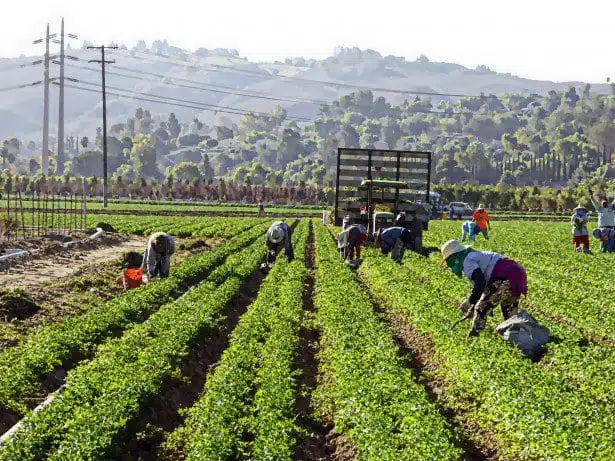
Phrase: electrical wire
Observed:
(165, 101)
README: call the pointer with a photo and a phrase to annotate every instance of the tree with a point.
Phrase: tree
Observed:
(143, 155)
(173, 126)
(208, 170)
(99, 138)
(84, 142)
(32, 166)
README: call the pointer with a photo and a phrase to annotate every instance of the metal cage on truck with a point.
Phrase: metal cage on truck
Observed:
(410, 169)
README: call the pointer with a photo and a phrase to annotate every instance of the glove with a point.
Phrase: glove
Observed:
(465, 306)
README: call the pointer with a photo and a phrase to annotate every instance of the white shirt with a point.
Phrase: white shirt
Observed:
(483, 260)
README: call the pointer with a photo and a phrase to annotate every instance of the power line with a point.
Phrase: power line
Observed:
(20, 66)
(248, 72)
(217, 88)
(213, 106)
(174, 104)
(17, 87)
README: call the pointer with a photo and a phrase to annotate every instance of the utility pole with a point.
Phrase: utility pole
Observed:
(45, 153)
(61, 153)
(60, 159)
(102, 62)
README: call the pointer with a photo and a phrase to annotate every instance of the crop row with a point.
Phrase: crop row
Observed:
(251, 394)
(368, 390)
(153, 206)
(572, 303)
(532, 412)
(102, 396)
(53, 345)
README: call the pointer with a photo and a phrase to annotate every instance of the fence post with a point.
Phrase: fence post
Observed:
(84, 214)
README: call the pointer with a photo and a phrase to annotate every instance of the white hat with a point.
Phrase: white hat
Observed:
(277, 235)
(450, 248)
(481, 206)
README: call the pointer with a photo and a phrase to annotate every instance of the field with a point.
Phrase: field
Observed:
(312, 360)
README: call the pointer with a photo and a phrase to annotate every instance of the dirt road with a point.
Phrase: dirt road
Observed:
(34, 273)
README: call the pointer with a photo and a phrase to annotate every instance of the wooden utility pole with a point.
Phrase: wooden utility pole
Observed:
(102, 62)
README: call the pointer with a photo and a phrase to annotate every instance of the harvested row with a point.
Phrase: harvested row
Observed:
(53, 345)
(248, 404)
(88, 419)
(531, 413)
(366, 389)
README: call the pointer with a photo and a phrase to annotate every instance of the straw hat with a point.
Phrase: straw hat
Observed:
(450, 248)
(277, 235)
(481, 206)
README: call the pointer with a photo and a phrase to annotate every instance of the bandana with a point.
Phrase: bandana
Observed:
(455, 261)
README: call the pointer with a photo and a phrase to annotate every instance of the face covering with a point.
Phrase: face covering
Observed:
(455, 262)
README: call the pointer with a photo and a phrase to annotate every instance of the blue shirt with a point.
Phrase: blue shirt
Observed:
(390, 234)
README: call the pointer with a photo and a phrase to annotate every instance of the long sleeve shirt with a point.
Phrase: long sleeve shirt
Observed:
(151, 257)
(606, 215)
(390, 235)
(477, 267)
(481, 218)
(579, 224)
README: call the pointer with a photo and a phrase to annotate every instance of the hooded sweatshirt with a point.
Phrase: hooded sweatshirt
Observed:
(606, 215)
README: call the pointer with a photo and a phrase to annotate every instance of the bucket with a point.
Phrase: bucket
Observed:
(133, 278)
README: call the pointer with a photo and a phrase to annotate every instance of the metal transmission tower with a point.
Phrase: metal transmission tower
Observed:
(46, 80)
(61, 156)
(102, 62)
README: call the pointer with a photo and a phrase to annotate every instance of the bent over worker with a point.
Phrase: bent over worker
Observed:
(395, 240)
(279, 236)
(157, 256)
(350, 241)
(481, 219)
(496, 280)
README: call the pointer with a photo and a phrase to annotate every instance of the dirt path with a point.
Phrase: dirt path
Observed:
(32, 274)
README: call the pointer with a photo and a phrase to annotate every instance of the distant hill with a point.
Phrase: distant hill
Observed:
(21, 110)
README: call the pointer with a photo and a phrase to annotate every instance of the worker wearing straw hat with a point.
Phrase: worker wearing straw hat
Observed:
(481, 219)
(278, 237)
(496, 280)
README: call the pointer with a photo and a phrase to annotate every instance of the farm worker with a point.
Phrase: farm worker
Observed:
(496, 280)
(400, 219)
(481, 219)
(350, 241)
(395, 240)
(157, 256)
(580, 237)
(279, 236)
(606, 220)
(468, 229)
(261, 208)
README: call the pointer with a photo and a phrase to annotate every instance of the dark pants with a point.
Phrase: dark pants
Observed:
(353, 249)
(508, 282)
(580, 240)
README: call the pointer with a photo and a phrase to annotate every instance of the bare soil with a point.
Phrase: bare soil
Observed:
(319, 443)
(164, 414)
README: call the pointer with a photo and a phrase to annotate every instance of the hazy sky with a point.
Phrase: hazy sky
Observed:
(541, 39)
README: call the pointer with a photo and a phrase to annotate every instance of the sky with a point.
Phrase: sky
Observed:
(539, 39)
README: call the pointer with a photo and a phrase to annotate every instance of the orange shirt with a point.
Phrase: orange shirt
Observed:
(481, 218)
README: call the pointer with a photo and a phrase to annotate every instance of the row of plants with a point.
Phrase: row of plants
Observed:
(532, 411)
(248, 405)
(572, 303)
(53, 345)
(103, 396)
(162, 205)
(366, 389)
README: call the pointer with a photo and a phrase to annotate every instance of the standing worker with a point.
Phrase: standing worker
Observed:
(580, 237)
(261, 208)
(157, 256)
(395, 240)
(496, 279)
(481, 219)
(279, 236)
(606, 220)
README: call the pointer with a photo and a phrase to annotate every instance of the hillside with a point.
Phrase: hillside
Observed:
(21, 110)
